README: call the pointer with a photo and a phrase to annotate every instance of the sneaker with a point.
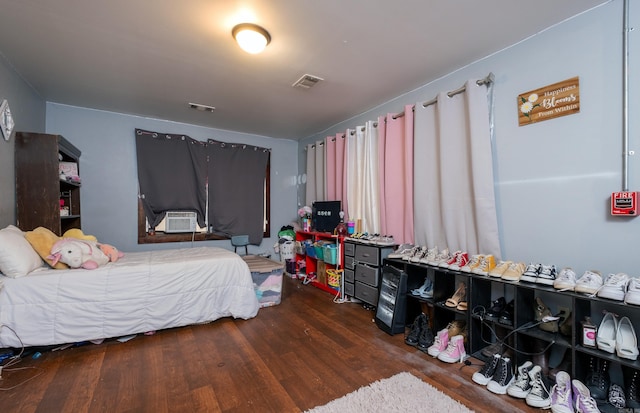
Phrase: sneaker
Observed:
(614, 286)
(500, 269)
(412, 253)
(401, 251)
(616, 396)
(547, 275)
(589, 283)
(561, 397)
(455, 350)
(440, 343)
(514, 272)
(443, 256)
(497, 307)
(472, 264)
(429, 256)
(530, 274)
(633, 291)
(485, 374)
(461, 261)
(419, 254)
(487, 263)
(583, 401)
(452, 260)
(539, 395)
(502, 378)
(418, 324)
(522, 385)
(566, 280)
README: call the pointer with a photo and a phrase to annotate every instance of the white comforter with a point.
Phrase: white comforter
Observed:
(141, 292)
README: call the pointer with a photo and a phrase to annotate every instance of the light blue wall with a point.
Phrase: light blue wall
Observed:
(28, 111)
(109, 176)
(554, 178)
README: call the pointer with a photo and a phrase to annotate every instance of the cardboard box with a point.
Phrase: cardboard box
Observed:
(267, 279)
(68, 169)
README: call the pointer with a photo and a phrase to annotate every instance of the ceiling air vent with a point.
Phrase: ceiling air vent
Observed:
(307, 81)
(201, 107)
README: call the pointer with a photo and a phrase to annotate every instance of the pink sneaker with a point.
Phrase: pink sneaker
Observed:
(440, 344)
(455, 350)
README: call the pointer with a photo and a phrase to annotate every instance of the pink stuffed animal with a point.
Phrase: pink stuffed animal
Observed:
(78, 253)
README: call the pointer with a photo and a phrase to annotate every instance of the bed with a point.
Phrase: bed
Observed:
(141, 292)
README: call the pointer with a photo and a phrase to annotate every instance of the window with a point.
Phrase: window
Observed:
(226, 185)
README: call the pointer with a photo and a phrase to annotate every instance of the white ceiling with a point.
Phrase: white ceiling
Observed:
(152, 57)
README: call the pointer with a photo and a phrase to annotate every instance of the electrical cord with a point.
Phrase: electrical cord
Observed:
(12, 361)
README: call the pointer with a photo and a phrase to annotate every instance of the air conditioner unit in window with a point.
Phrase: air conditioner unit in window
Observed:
(177, 221)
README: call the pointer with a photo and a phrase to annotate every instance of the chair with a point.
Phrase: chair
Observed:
(240, 241)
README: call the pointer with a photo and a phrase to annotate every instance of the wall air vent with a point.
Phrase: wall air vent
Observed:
(307, 81)
(201, 107)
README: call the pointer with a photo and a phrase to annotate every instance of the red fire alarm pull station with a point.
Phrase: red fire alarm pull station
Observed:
(624, 204)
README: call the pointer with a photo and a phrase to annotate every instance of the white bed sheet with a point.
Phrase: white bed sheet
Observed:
(141, 292)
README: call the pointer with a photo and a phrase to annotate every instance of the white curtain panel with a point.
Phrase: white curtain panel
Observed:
(321, 188)
(370, 185)
(355, 173)
(362, 177)
(310, 189)
(454, 185)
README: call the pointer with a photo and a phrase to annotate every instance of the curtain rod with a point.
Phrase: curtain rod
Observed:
(489, 79)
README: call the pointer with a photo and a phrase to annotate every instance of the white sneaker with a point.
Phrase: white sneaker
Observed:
(589, 283)
(566, 280)
(415, 250)
(614, 287)
(442, 256)
(633, 291)
(401, 251)
(419, 254)
(473, 263)
(431, 255)
(547, 275)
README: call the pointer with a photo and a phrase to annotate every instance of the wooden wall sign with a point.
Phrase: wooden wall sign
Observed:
(553, 101)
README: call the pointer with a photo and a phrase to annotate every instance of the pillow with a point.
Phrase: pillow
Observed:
(17, 258)
(42, 239)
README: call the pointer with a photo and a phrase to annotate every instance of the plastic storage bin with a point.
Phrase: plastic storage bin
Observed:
(319, 251)
(330, 252)
(267, 279)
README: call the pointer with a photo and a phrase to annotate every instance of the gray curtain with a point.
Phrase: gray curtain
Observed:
(236, 175)
(172, 174)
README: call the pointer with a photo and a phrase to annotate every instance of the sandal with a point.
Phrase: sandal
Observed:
(457, 297)
(462, 306)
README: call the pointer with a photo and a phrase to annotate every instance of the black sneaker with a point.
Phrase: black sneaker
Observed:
(502, 378)
(485, 374)
(414, 334)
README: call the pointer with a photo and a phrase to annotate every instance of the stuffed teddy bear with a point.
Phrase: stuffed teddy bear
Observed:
(78, 253)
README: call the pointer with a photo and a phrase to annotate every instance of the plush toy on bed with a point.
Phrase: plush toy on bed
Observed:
(82, 253)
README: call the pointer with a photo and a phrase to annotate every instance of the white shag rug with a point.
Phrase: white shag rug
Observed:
(401, 393)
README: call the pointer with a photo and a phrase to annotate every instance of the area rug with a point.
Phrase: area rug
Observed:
(401, 393)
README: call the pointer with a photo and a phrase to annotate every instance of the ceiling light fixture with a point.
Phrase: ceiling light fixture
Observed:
(251, 37)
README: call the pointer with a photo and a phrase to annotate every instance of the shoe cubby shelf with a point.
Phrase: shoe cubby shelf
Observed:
(522, 336)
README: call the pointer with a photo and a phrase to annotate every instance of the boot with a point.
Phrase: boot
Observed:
(543, 311)
(541, 356)
(632, 381)
(425, 339)
(418, 325)
(598, 378)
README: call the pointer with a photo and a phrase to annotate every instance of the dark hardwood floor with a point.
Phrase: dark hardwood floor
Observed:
(302, 353)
